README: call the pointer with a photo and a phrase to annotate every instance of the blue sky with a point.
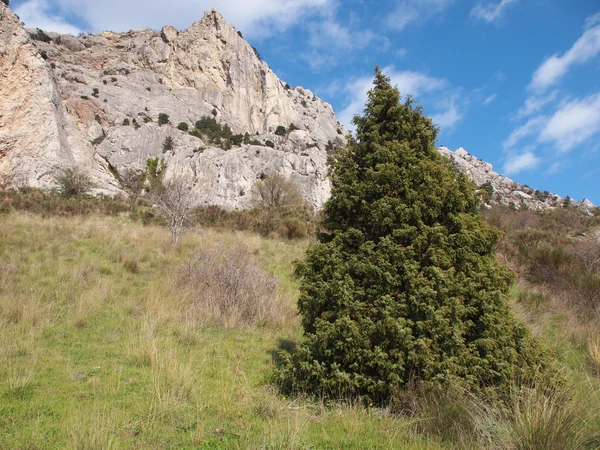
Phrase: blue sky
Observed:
(514, 82)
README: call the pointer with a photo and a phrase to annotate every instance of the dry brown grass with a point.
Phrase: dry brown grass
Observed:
(594, 353)
(228, 285)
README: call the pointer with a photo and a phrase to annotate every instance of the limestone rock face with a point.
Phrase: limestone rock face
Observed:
(67, 102)
(503, 190)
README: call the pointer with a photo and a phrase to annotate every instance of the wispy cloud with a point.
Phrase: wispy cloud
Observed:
(491, 11)
(573, 124)
(36, 14)
(536, 103)
(490, 99)
(449, 118)
(329, 42)
(254, 17)
(531, 127)
(408, 82)
(556, 66)
(412, 11)
(521, 162)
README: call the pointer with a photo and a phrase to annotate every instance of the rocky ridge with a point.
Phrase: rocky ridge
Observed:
(500, 190)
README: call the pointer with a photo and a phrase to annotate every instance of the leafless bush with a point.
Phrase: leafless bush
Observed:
(132, 182)
(276, 191)
(7, 181)
(174, 200)
(229, 286)
(587, 253)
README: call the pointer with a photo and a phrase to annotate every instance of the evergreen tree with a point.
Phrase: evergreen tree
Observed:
(404, 285)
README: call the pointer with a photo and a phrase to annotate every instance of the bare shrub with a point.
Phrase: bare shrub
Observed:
(588, 254)
(173, 201)
(228, 285)
(132, 182)
(276, 191)
(7, 181)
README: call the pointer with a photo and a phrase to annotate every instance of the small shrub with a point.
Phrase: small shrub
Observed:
(98, 140)
(270, 144)
(168, 144)
(237, 139)
(73, 183)
(40, 35)
(183, 127)
(113, 80)
(125, 122)
(163, 119)
(95, 92)
(84, 97)
(280, 131)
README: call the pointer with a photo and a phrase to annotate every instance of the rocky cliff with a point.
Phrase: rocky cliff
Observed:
(94, 101)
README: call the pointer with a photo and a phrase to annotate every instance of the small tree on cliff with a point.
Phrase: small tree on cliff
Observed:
(6, 2)
(405, 285)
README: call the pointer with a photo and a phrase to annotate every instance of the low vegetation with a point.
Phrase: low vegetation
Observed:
(105, 325)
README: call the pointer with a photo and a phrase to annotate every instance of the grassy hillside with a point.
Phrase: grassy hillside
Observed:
(112, 338)
(104, 346)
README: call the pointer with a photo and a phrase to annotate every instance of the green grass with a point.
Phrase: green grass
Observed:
(98, 348)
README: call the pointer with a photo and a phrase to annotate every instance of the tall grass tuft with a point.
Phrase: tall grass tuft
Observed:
(546, 417)
(93, 430)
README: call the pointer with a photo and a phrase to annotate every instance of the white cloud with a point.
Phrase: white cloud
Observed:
(491, 12)
(35, 14)
(448, 118)
(573, 124)
(332, 35)
(532, 126)
(408, 11)
(518, 163)
(253, 17)
(555, 67)
(535, 103)
(490, 99)
(409, 83)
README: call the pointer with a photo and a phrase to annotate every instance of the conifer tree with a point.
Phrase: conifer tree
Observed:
(404, 285)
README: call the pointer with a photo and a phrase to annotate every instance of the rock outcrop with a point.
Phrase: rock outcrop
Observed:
(93, 101)
(499, 190)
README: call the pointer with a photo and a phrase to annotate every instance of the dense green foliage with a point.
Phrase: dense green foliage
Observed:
(163, 119)
(404, 286)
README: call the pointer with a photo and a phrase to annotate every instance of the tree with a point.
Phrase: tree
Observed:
(404, 286)
(6, 2)
(73, 183)
(174, 200)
